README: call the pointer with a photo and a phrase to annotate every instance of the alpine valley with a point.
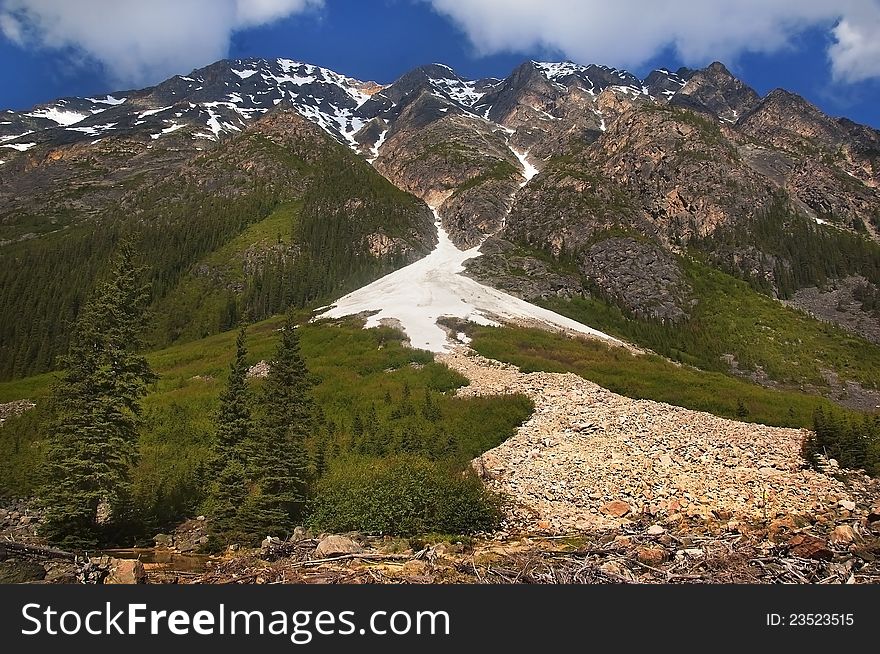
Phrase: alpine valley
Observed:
(649, 305)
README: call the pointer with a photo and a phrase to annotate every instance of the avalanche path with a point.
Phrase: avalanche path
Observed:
(416, 296)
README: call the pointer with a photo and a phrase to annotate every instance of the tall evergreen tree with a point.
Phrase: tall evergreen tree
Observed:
(96, 408)
(278, 461)
(229, 488)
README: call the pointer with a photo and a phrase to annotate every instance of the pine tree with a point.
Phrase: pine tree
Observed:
(278, 461)
(93, 431)
(229, 488)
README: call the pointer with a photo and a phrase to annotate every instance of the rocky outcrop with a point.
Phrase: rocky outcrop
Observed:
(836, 302)
(638, 276)
(568, 204)
(526, 86)
(456, 163)
(787, 121)
(505, 267)
(682, 170)
(717, 92)
(20, 521)
(14, 408)
(831, 195)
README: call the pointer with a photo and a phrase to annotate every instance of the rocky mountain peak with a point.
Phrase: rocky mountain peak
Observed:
(719, 92)
(717, 68)
(663, 84)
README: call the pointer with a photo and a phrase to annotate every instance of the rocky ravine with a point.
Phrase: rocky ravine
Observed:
(590, 459)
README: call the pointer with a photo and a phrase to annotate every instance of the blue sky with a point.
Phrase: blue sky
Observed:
(383, 39)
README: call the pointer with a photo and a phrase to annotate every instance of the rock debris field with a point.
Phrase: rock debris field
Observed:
(591, 459)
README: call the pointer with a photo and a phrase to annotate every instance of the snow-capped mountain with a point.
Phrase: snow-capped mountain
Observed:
(206, 104)
(221, 99)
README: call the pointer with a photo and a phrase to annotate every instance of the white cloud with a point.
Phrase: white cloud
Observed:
(628, 33)
(855, 55)
(139, 41)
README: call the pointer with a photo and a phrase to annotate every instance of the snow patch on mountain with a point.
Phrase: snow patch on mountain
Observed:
(529, 171)
(93, 130)
(172, 128)
(558, 70)
(335, 121)
(21, 147)
(60, 116)
(461, 92)
(152, 112)
(416, 296)
(244, 74)
(374, 151)
(109, 99)
(15, 136)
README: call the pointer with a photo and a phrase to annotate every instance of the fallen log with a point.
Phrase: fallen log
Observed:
(36, 550)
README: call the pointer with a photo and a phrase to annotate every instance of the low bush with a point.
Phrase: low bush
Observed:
(402, 495)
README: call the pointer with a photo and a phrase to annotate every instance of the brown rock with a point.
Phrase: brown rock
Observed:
(809, 547)
(779, 527)
(622, 541)
(414, 568)
(616, 508)
(842, 535)
(612, 568)
(332, 546)
(126, 571)
(651, 555)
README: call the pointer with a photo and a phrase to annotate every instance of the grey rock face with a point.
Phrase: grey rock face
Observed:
(521, 275)
(638, 276)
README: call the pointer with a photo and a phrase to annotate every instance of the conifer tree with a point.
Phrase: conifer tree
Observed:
(93, 432)
(277, 460)
(229, 487)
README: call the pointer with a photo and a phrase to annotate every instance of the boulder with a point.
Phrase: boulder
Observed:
(616, 508)
(126, 572)
(651, 555)
(810, 547)
(842, 535)
(16, 571)
(331, 546)
(163, 540)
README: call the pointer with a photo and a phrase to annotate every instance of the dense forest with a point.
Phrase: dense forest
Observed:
(177, 223)
(779, 251)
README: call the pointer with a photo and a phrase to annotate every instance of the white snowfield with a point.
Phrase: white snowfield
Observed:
(529, 170)
(416, 296)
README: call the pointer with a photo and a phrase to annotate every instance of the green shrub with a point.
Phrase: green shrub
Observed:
(403, 495)
(854, 441)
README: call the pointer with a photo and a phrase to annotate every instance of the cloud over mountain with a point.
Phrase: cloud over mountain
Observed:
(631, 32)
(140, 42)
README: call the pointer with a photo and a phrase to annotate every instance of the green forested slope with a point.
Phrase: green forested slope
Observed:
(193, 231)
